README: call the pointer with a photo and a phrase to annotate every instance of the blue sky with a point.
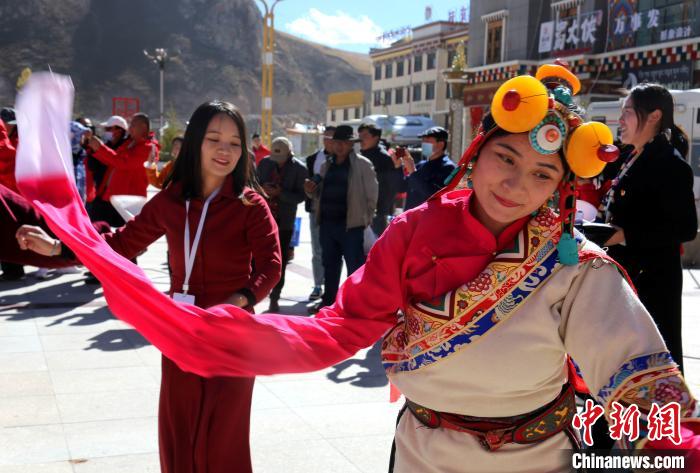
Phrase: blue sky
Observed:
(354, 25)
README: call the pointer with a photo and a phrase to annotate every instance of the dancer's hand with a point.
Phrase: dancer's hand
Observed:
(238, 299)
(37, 240)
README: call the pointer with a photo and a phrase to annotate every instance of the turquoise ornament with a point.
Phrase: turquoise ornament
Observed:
(563, 94)
(568, 250)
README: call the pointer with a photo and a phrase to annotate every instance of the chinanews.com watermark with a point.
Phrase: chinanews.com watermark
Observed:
(619, 461)
(661, 423)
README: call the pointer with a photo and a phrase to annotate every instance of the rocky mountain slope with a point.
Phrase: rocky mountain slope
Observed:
(100, 45)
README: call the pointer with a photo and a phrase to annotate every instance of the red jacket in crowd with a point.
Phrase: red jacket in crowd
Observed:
(8, 147)
(261, 152)
(126, 174)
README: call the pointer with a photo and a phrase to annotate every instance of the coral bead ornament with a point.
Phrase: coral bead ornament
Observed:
(520, 104)
(583, 148)
(608, 153)
(511, 100)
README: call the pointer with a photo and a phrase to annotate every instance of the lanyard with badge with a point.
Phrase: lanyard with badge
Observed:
(190, 252)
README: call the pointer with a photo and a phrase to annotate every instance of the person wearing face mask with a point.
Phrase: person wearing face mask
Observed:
(115, 132)
(126, 174)
(427, 177)
(282, 177)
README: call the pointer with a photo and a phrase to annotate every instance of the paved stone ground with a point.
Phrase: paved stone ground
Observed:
(79, 389)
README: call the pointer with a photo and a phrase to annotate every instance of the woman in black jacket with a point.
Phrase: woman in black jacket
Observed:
(651, 203)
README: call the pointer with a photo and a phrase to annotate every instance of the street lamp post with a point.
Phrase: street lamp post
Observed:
(159, 57)
(267, 71)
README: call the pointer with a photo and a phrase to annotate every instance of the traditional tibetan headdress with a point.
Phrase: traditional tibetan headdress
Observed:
(543, 107)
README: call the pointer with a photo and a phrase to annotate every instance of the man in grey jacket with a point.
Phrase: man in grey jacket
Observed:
(282, 177)
(345, 200)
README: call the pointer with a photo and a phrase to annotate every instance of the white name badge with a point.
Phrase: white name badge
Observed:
(187, 298)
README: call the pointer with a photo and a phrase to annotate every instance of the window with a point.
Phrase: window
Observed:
(332, 115)
(398, 95)
(377, 72)
(399, 68)
(388, 70)
(448, 91)
(377, 98)
(416, 93)
(418, 63)
(493, 41)
(345, 114)
(387, 97)
(429, 90)
(357, 112)
(408, 95)
(408, 62)
(430, 60)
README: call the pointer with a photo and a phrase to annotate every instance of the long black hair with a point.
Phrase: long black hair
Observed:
(648, 97)
(188, 166)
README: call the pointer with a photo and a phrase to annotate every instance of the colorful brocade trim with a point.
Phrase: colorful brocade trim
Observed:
(643, 381)
(433, 330)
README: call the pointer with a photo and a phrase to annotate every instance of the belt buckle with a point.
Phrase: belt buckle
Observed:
(494, 439)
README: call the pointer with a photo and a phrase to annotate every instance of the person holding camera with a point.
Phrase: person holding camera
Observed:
(427, 177)
(282, 178)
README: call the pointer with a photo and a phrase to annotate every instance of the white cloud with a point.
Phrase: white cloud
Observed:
(335, 30)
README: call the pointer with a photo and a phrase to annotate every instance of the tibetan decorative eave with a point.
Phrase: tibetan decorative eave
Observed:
(594, 63)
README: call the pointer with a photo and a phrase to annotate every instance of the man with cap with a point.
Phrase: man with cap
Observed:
(345, 200)
(389, 174)
(282, 177)
(126, 174)
(427, 177)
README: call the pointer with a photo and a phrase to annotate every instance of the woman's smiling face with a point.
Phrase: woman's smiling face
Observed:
(511, 180)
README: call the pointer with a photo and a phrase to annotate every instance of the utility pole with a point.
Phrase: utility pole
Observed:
(268, 64)
(160, 57)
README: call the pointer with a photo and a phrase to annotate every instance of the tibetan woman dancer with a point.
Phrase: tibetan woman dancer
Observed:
(482, 296)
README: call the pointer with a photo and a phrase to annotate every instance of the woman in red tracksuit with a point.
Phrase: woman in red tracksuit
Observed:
(204, 422)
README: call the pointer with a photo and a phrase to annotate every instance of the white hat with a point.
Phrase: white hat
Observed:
(281, 147)
(116, 120)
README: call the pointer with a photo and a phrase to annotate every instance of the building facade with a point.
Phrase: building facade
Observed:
(407, 77)
(344, 106)
(610, 44)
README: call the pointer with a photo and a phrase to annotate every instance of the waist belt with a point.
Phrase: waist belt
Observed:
(494, 432)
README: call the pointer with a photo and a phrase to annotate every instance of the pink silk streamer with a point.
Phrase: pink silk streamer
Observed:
(223, 340)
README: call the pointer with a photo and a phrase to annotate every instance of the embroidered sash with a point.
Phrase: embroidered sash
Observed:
(433, 330)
